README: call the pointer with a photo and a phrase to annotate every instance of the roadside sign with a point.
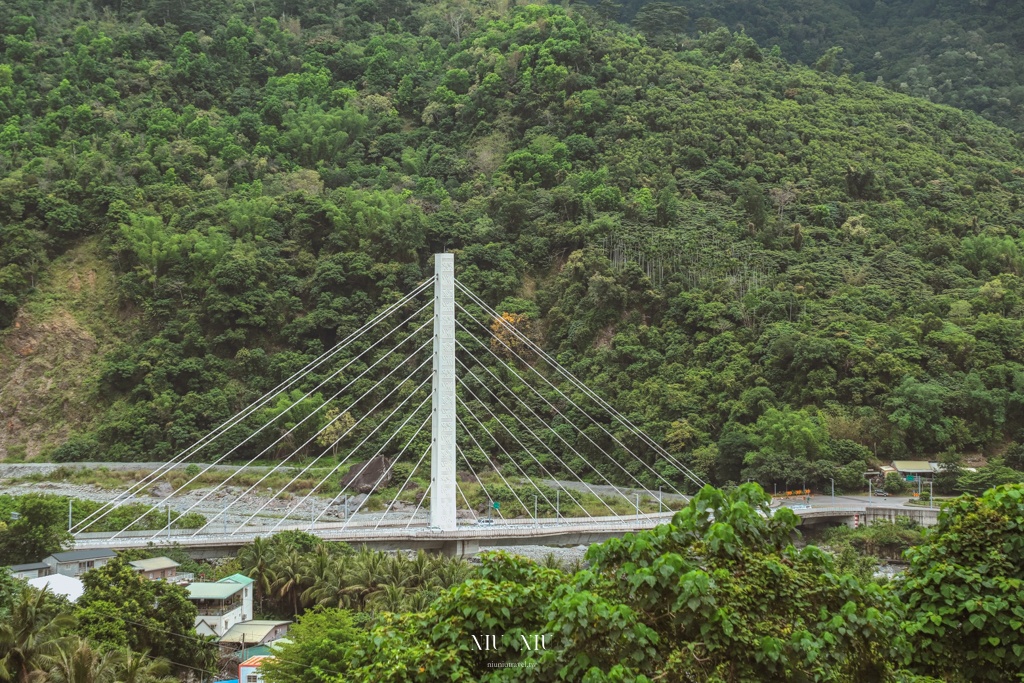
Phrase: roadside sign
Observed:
(497, 505)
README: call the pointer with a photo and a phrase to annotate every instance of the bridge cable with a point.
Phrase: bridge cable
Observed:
(582, 387)
(478, 480)
(326, 426)
(295, 426)
(273, 419)
(314, 412)
(527, 450)
(416, 511)
(541, 441)
(406, 483)
(217, 432)
(576, 382)
(379, 451)
(365, 439)
(487, 457)
(555, 432)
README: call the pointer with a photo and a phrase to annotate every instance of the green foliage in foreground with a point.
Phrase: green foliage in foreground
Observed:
(40, 641)
(719, 595)
(122, 609)
(964, 590)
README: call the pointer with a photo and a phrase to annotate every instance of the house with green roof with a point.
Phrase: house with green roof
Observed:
(222, 604)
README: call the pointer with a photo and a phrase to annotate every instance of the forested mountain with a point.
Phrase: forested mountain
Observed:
(756, 261)
(964, 53)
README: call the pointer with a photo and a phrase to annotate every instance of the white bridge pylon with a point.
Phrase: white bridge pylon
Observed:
(320, 451)
(442, 438)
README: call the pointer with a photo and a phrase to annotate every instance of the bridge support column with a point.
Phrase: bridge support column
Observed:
(442, 449)
(466, 548)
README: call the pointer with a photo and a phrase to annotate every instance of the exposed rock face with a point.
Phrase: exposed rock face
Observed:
(364, 478)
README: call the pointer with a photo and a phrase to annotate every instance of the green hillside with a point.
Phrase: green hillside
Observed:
(776, 271)
(965, 54)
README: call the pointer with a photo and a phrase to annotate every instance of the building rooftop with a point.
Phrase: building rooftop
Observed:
(237, 578)
(251, 631)
(28, 567)
(81, 555)
(212, 591)
(255, 661)
(913, 466)
(68, 586)
(154, 564)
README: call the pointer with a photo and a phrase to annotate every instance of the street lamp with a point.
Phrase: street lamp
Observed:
(931, 493)
(637, 506)
(833, 490)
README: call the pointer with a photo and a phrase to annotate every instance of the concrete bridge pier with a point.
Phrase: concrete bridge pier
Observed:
(460, 548)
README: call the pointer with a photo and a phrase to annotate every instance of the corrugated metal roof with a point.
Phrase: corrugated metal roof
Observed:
(912, 466)
(252, 631)
(237, 578)
(79, 555)
(255, 661)
(28, 567)
(212, 591)
(154, 564)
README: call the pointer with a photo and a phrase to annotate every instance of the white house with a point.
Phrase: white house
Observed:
(222, 604)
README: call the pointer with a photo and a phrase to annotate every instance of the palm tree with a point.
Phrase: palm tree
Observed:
(448, 573)
(319, 565)
(420, 600)
(291, 578)
(32, 637)
(139, 667)
(421, 568)
(366, 575)
(332, 590)
(79, 663)
(257, 560)
(391, 599)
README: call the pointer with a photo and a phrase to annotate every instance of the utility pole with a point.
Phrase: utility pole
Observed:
(637, 506)
(536, 519)
(442, 446)
(833, 490)
(659, 499)
(931, 493)
(69, 515)
(558, 504)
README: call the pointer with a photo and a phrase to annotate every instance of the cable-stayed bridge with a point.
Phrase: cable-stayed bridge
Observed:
(439, 420)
